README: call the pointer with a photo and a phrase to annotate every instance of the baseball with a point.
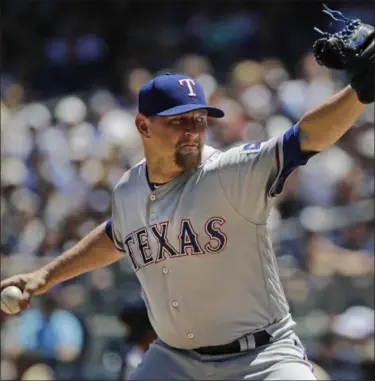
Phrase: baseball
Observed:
(10, 298)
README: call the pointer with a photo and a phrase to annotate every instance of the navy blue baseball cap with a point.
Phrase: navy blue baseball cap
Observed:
(173, 94)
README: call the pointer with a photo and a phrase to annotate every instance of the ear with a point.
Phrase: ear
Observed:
(142, 124)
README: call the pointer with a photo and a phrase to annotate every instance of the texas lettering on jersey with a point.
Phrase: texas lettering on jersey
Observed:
(138, 247)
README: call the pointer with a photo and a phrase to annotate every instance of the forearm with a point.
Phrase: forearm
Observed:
(95, 250)
(325, 124)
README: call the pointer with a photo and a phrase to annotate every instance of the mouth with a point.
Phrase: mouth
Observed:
(189, 145)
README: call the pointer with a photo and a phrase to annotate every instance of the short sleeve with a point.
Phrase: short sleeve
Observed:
(113, 228)
(252, 174)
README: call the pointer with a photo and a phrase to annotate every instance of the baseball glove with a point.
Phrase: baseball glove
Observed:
(351, 49)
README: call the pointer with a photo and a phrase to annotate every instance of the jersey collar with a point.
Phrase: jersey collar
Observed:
(207, 153)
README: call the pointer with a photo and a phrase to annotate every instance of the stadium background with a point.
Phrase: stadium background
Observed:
(71, 71)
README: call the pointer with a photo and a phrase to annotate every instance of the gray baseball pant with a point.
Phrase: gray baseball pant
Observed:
(283, 359)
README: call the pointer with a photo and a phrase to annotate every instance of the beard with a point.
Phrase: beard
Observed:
(188, 158)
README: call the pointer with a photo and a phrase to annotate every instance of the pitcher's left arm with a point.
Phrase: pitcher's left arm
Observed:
(325, 124)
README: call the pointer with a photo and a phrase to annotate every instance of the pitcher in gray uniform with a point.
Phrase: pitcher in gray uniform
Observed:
(192, 221)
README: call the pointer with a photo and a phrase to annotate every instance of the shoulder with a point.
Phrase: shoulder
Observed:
(241, 153)
(210, 158)
(131, 177)
(209, 154)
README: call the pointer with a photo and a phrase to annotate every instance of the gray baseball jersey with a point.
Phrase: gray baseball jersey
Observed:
(200, 247)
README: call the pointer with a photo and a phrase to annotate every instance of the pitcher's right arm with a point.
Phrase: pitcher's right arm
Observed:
(94, 251)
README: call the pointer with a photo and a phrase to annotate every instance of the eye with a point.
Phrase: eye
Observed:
(201, 119)
(175, 121)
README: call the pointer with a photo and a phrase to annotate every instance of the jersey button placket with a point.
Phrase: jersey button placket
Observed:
(152, 206)
(175, 306)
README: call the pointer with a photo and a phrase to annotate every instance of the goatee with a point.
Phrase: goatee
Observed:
(188, 160)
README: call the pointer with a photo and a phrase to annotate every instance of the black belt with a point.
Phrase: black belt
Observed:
(261, 338)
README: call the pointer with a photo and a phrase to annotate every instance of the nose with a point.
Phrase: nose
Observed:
(192, 132)
(191, 127)
(189, 130)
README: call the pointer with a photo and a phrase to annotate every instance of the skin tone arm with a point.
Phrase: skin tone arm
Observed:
(94, 251)
(324, 125)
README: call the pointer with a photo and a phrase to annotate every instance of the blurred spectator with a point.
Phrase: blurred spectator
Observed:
(194, 65)
(139, 335)
(336, 364)
(38, 372)
(49, 333)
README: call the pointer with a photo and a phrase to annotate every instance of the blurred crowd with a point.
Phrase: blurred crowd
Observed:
(68, 100)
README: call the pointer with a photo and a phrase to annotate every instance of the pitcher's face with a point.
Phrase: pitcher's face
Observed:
(180, 136)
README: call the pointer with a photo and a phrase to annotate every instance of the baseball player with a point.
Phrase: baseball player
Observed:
(192, 221)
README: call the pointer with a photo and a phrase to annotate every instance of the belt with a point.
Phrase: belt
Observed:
(245, 343)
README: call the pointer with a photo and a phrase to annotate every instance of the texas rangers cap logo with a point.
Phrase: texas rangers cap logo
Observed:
(190, 84)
